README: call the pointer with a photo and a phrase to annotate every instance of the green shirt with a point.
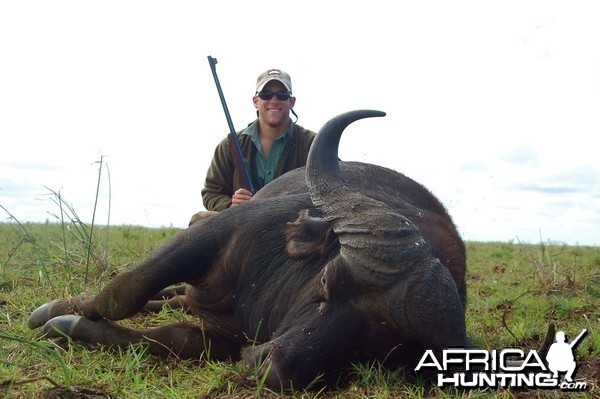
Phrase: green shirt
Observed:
(223, 179)
(266, 167)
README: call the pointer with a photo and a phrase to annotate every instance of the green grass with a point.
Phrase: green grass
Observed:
(514, 292)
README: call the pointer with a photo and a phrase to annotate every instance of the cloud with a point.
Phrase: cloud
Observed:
(16, 189)
(35, 166)
(522, 156)
(473, 166)
(577, 180)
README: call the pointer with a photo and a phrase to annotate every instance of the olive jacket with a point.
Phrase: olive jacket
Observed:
(222, 180)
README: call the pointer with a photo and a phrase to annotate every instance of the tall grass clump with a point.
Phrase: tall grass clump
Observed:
(38, 251)
(79, 250)
(559, 266)
(49, 352)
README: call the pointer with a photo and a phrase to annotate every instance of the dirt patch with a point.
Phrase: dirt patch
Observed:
(588, 370)
(73, 393)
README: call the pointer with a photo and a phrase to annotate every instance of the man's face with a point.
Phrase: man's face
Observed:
(274, 112)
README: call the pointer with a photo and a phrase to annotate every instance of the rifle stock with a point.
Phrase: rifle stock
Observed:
(234, 145)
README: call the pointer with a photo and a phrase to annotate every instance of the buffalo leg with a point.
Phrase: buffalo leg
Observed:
(187, 256)
(156, 305)
(168, 293)
(173, 297)
(178, 340)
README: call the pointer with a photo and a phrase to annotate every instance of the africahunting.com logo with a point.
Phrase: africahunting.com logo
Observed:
(507, 367)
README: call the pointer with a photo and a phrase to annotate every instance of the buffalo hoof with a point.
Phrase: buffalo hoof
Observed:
(41, 315)
(61, 326)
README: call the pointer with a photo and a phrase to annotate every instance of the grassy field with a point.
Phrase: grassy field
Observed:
(515, 292)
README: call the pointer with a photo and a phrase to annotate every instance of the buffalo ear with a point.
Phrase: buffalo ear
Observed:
(308, 236)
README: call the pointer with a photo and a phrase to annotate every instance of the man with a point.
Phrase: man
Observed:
(560, 357)
(272, 145)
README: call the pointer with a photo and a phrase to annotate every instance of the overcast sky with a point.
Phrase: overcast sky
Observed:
(494, 106)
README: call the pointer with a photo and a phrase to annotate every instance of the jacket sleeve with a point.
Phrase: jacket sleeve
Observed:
(218, 186)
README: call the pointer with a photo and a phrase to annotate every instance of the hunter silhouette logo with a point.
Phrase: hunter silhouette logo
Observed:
(509, 367)
(560, 355)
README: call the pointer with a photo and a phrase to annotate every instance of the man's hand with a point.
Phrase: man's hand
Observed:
(240, 196)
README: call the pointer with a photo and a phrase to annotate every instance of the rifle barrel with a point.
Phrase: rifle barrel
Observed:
(213, 62)
(236, 150)
(576, 340)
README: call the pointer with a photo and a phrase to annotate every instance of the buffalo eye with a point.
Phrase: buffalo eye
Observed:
(324, 289)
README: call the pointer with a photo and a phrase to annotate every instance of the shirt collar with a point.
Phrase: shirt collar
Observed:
(252, 131)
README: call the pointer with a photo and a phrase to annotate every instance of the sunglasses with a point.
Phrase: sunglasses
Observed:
(281, 96)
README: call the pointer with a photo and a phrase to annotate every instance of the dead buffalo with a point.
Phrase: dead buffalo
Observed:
(338, 262)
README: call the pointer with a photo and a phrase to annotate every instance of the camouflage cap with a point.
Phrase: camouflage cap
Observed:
(273, 74)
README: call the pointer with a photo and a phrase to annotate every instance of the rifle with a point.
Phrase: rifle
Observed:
(234, 144)
(576, 340)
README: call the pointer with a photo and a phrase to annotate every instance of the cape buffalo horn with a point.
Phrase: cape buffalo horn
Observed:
(322, 167)
(374, 238)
